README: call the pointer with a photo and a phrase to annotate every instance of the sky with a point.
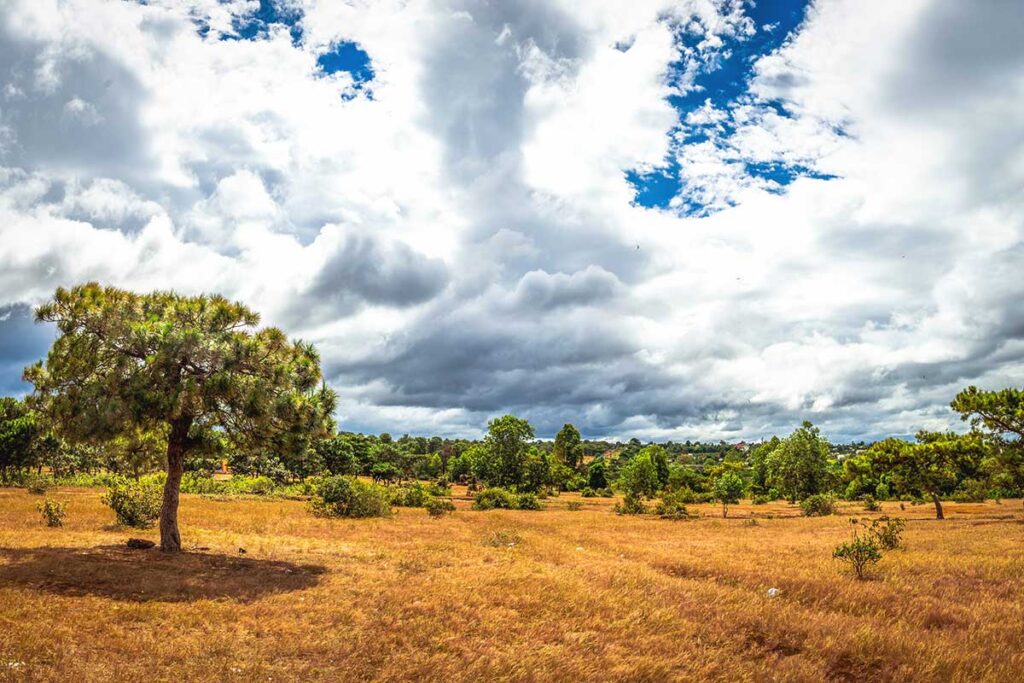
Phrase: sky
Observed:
(688, 219)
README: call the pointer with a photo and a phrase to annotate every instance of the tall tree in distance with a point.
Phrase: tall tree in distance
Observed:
(798, 467)
(193, 366)
(506, 445)
(569, 447)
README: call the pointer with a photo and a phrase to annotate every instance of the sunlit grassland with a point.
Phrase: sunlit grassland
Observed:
(577, 595)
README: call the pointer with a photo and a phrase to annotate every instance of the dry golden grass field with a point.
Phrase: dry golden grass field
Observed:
(550, 595)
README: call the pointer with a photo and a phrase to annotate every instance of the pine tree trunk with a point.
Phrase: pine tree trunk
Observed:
(170, 539)
(938, 506)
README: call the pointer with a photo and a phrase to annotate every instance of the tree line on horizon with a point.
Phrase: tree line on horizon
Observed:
(136, 383)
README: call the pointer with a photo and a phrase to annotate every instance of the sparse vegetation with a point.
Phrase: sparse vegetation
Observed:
(53, 512)
(818, 505)
(860, 552)
(136, 503)
(345, 496)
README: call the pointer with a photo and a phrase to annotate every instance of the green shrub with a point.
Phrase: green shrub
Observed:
(346, 496)
(414, 495)
(198, 483)
(136, 503)
(441, 488)
(672, 506)
(495, 498)
(882, 491)
(587, 492)
(860, 552)
(251, 486)
(888, 531)
(870, 504)
(439, 507)
(760, 500)
(630, 505)
(818, 505)
(971, 491)
(606, 492)
(53, 512)
(574, 506)
(38, 484)
(527, 501)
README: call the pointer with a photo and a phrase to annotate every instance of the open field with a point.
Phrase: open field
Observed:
(578, 595)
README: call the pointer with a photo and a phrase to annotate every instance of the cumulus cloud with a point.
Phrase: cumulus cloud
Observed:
(459, 234)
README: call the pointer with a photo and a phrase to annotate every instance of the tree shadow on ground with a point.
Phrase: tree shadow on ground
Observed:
(118, 573)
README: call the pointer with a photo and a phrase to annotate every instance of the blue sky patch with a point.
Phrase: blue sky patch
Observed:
(347, 56)
(722, 81)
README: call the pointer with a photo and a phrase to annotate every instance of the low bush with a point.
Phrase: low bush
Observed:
(888, 531)
(251, 486)
(672, 506)
(346, 496)
(439, 507)
(870, 504)
(630, 505)
(527, 501)
(971, 491)
(495, 498)
(574, 506)
(818, 505)
(198, 483)
(760, 500)
(441, 487)
(414, 495)
(587, 492)
(136, 503)
(606, 492)
(860, 552)
(53, 512)
(38, 484)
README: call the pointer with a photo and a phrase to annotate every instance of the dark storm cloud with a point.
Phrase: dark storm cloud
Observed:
(366, 270)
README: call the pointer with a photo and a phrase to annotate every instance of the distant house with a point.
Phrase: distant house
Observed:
(743, 446)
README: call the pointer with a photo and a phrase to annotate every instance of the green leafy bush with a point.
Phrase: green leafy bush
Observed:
(587, 492)
(414, 495)
(439, 507)
(971, 491)
(818, 505)
(38, 484)
(870, 504)
(136, 503)
(630, 505)
(527, 501)
(888, 531)
(441, 487)
(345, 496)
(606, 492)
(251, 486)
(860, 553)
(760, 500)
(53, 512)
(495, 498)
(198, 483)
(672, 506)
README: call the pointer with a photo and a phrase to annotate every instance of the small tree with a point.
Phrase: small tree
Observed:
(799, 466)
(194, 366)
(860, 552)
(506, 448)
(727, 490)
(639, 477)
(568, 447)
